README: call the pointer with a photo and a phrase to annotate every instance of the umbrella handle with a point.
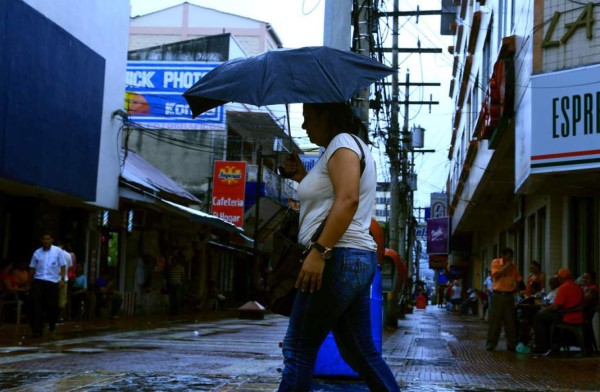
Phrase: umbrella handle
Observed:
(285, 174)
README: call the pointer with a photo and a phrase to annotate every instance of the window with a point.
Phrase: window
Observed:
(475, 109)
(581, 235)
(541, 235)
(501, 13)
(486, 72)
(512, 15)
(531, 242)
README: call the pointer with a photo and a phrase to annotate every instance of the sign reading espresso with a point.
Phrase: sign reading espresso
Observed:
(577, 114)
(565, 126)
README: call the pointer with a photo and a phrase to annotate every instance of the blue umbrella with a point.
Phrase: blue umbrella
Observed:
(316, 74)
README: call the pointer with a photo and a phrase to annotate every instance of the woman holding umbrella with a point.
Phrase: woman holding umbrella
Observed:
(334, 283)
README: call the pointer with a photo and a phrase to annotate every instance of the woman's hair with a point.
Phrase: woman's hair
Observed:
(535, 263)
(341, 119)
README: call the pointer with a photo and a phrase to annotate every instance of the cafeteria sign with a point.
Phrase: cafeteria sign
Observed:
(229, 187)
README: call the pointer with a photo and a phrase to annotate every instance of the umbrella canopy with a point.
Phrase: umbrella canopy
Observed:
(315, 74)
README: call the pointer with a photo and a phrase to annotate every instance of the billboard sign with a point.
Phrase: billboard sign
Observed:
(438, 235)
(229, 187)
(153, 96)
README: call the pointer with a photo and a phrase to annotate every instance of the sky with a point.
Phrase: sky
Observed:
(300, 23)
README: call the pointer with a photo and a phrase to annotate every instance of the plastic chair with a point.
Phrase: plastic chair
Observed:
(5, 299)
(575, 329)
(583, 332)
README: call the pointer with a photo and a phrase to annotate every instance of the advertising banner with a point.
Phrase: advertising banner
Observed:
(229, 187)
(438, 235)
(153, 95)
(566, 127)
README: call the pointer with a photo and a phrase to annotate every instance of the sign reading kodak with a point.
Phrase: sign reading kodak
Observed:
(229, 188)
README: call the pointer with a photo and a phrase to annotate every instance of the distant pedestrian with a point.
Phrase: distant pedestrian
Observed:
(48, 269)
(488, 290)
(505, 276)
(63, 291)
(176, 276)
(456, 297)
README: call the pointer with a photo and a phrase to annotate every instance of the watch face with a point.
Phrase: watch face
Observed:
(326, 253)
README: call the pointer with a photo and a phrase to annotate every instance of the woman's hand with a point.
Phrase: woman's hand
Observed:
(311, 274)
(294, 167)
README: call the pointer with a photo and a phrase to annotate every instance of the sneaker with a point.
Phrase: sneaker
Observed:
(540, 351)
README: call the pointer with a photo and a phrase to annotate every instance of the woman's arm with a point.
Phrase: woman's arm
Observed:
(344, 171)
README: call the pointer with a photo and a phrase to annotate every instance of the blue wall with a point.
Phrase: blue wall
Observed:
(51, 95)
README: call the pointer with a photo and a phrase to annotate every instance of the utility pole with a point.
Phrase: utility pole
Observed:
(398, 148)
(392, 153)
(362, 12)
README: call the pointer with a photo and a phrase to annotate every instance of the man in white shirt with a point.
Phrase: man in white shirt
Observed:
(48, 270)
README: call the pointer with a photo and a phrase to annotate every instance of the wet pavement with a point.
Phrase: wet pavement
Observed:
(432, 350)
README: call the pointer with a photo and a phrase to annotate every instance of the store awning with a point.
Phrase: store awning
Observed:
(136, 170)
(202, 217)
(143, 183)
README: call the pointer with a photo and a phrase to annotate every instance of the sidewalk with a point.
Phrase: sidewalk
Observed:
(440, 347)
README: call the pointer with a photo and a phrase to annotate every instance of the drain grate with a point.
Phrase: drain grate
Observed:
(430, 343)
(439, 362)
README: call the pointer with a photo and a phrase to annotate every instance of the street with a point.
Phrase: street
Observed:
(432, 350)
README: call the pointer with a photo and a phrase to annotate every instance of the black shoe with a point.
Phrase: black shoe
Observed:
(489, 348)
(513, 349)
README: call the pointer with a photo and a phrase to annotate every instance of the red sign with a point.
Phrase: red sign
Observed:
(438, 261)
(499, 97)
(229, 188)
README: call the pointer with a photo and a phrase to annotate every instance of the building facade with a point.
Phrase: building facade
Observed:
(524, 158)
(62, 67)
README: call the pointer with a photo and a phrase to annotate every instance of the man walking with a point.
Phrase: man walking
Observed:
(502, 308)
(48, 268)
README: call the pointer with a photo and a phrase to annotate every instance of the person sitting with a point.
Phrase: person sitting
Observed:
(526, 311)
(469, 305)
(107, 296)
(217, 298)
(535, 276)
(79, 295)
(553, 282)
(14, 289)
(568, 295)
(591, 292)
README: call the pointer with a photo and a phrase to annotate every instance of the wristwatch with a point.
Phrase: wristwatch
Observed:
(326, 252)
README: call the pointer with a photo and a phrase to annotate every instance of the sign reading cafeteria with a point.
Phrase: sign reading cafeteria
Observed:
(566, 120)
(229, 187)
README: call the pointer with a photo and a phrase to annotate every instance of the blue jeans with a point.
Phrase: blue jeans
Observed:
(342, 305)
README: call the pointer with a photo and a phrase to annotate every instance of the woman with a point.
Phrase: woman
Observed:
(334, 283)
(456, 295)
(535, 275)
